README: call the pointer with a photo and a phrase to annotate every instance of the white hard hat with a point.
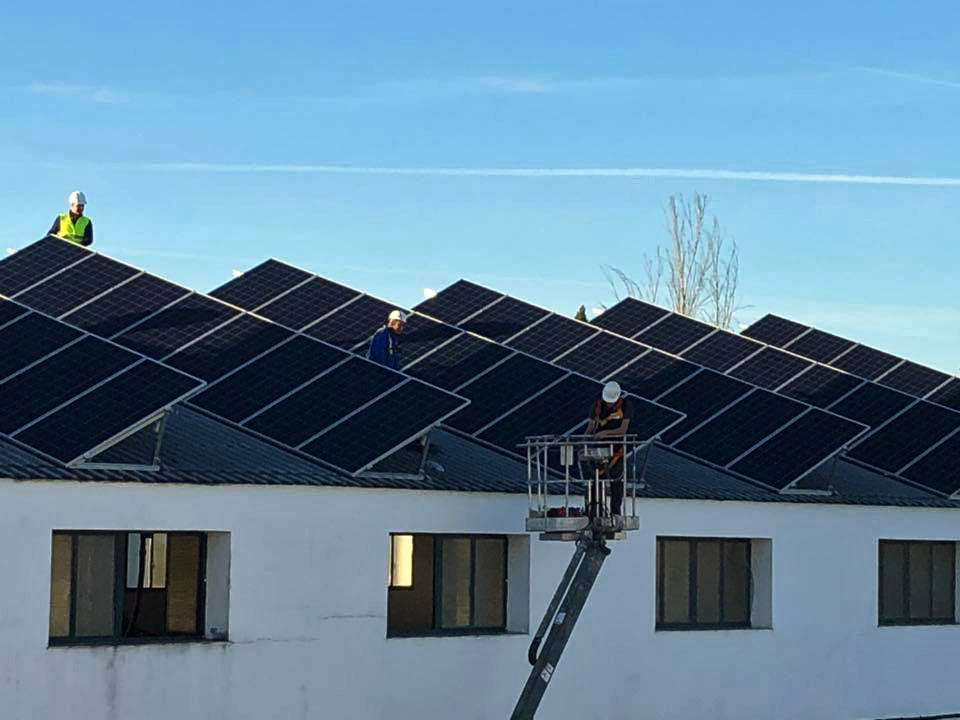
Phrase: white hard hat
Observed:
(611, 392)
(397, 315)
(77, 197)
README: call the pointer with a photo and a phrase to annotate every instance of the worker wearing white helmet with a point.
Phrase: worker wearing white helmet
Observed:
(73, 225)
(385, 345)
(610, 417)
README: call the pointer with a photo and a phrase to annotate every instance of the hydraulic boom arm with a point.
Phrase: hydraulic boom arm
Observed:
(559, 620)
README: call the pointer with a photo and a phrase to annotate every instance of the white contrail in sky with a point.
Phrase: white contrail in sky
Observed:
(905, 76)
(627, 172)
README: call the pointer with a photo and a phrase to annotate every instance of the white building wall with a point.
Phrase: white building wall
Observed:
(308, 616)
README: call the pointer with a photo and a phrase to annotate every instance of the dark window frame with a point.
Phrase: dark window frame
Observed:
(692, 587)
(907, 620)
(436, 629)
(438, 583)
(120, 587)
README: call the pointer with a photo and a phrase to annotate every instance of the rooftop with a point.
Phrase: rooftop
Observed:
(265, 381)
(202, 451)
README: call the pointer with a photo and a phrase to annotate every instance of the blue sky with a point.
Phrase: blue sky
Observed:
(204, 137)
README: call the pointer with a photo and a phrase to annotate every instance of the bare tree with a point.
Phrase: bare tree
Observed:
(621, 284)
(698, 270)
(723, 278)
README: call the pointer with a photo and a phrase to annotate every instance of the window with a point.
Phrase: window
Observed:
(917, 582)
(127, 586)
(703, 584)
(401, 561)
(447, 584)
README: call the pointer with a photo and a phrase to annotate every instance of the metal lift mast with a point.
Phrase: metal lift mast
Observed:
(549, 463)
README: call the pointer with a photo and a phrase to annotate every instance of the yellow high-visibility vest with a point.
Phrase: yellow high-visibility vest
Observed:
(71, 229)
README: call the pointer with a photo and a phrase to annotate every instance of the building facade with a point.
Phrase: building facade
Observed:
(296, 619)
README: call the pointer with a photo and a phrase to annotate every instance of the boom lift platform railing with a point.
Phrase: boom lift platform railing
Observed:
(568, 490)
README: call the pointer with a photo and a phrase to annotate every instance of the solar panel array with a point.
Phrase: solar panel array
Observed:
(278, 349)
(860, 360)
(505, 385)
(910, 437)
(728, 422)
(925, 440)
(67, 394)
(295, 390)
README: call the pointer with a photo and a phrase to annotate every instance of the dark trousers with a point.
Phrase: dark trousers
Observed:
(616, 497)
(615, 472)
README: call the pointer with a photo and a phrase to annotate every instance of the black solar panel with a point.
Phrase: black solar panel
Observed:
(170, 329)
(740, 427)
(554, 412)
(506, 386)
(940, 468)
(820, 386)
(228, 348)
(906, 436)
(652, 420)
(700, 397)
(653, 374)
(457, 302)
(722, 350)
(10, 311)
(504, 319)
(397, 418)
(126, 305)
(552, 337)
(819, 345)
(36, 262)
(674, 333)
(268, 378)
(311, 301)
(565, 407)
(865, 362)
(797, 449)
(353, 324)
(204, 336)
(629, 316)
(774, 330)
(260, 285)
(76, 285)
(859, 360)
(422, 335)
(458, 361)
(59, 378)
(948, 395)
(28, 339)
(324, 401)
(601, 355)
(771, 368)
(917, 380)
(132, 397)
(871, 404)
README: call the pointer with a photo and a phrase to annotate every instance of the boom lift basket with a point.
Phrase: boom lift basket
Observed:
(568, 489)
